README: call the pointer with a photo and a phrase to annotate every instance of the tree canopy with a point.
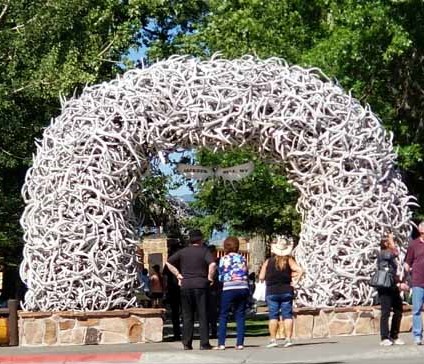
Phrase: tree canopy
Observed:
(374, 48)
(51, 48)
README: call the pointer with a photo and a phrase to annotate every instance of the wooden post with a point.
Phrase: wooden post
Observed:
(13, 322)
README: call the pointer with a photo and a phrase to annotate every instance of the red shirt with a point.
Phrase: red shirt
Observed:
(415, 259)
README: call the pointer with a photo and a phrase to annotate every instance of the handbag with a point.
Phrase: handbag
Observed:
(260, 291)
(382, 278)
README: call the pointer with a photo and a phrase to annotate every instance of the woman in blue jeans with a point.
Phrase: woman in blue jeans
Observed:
(232, 272)
(277, 272)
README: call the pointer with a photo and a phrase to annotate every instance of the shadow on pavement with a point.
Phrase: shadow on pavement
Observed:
(320, 362)
(316, 343)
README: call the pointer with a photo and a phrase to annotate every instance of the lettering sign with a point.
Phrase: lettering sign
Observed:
(200, 173)
(195, 172)
(235, 173)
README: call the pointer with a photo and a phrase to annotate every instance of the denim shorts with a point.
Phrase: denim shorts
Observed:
(280, 304)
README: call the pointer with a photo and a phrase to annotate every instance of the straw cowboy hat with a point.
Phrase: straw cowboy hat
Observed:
(281, 247)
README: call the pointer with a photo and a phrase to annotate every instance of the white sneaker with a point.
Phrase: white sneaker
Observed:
(288, 343)
(398, 342)
(386, 342)
(272, 344)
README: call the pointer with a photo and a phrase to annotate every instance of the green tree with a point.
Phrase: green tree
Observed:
(376, 49)
(50, 48)
(373, 47)
(262, 203)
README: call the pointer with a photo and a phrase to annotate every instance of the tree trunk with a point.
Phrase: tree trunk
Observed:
(258, 250)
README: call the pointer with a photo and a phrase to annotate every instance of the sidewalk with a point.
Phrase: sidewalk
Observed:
(331, 350)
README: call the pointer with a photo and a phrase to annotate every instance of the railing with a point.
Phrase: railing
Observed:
(11, 312)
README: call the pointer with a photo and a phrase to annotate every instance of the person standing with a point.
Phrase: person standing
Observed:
(214, 298)
(233, 273)
(145, 281)
(277, 272)
(390, 297)
(173, 297)
(197, 268)
(143, 292)
(414, 264)
(156, 286)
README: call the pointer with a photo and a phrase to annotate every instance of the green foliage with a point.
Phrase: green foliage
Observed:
(48, 48)
(51, 48)
(374, 48)
(265, 28)
(262, 203)
(171, 19)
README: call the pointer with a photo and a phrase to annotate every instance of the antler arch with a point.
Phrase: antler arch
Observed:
(80, 242)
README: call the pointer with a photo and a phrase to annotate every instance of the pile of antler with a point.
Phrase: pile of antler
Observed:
(79, 232)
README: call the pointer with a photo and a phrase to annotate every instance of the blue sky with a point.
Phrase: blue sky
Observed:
(137, 54)
(166, 169)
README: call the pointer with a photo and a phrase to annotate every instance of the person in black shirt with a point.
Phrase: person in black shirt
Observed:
(197, 269)
(173, 297)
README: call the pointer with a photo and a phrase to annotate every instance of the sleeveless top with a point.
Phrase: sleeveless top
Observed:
(277, 281)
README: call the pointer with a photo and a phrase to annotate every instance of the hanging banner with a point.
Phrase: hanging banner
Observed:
(196, 172)
(201, 173)
(235, 173)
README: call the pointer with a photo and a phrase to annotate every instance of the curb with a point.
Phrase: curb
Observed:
(121, 358)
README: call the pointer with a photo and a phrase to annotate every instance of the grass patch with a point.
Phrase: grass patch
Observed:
(257, 326)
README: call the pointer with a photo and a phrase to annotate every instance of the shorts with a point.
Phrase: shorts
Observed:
(280, 305)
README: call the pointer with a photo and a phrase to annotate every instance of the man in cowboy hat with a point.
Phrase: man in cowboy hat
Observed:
(195, 274)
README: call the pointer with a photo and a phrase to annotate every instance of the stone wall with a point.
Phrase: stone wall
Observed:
(321, 323)
(136, 325)
(141, 325)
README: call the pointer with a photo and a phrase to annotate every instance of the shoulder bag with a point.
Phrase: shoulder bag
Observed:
(382, 278)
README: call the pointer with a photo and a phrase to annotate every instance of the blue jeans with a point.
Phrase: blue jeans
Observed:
(236, 298)
(417, 303)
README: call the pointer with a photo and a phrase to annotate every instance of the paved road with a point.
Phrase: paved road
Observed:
(339, 350)
(344, 350)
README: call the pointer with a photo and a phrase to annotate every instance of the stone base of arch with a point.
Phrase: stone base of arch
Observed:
(318, 323)
(146, 325)
(136, 325)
